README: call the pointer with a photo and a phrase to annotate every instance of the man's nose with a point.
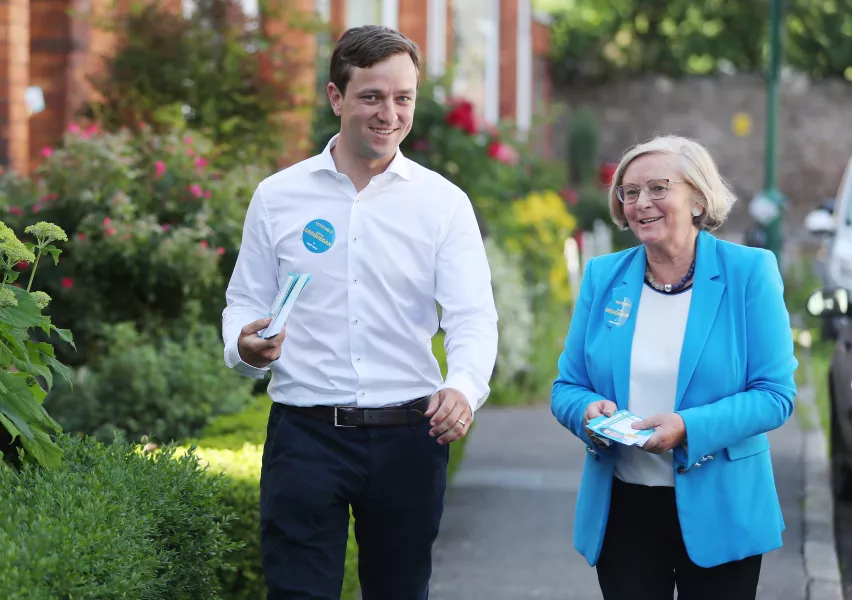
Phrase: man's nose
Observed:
(387, 112)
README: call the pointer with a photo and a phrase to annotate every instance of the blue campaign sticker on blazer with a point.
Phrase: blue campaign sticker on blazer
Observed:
(318, 235)
(618, 311)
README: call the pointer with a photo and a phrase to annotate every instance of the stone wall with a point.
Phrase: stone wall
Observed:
(815, 129)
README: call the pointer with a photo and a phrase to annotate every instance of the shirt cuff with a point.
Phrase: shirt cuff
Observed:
(467, 389)
(235, 362)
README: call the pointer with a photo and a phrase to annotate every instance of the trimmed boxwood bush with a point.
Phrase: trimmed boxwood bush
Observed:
(112, 522)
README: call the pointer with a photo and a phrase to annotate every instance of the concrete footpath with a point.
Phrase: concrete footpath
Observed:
(508, 522)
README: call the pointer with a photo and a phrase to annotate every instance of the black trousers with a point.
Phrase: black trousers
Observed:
(644, 557)
(394, 479)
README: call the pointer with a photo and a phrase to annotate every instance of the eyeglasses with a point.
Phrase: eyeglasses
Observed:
(655, 189)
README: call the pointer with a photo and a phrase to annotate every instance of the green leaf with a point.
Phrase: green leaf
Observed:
(26, 314)
(35, 369)
(38, 393)
(43, 449)
(10, 427)
(54, 252)
(58, 368)
(65, 335)
(19, 405)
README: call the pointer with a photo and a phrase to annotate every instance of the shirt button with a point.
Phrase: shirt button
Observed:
(355, 321)
(354, 239)
(358, 359)
(354, 281)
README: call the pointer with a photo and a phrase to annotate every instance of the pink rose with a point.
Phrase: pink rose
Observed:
(16, 210)
(73, 128)
(503, 153)
(200, 162)
(47, 152)
(159, 168)
(196, 190)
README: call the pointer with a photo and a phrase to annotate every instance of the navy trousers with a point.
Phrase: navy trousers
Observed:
(394, 479)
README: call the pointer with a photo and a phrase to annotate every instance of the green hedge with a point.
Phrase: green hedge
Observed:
(110, 523)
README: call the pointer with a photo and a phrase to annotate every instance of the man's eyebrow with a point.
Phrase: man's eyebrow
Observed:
(378, 92)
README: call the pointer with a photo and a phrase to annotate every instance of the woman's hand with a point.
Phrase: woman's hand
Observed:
(669, 432)
(595, 410)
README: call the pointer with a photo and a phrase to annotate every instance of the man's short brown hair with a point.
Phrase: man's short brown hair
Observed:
(365, 46)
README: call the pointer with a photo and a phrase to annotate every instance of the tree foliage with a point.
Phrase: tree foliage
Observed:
(596, 40)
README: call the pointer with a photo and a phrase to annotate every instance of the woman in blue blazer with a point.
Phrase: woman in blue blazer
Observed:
(692, 334)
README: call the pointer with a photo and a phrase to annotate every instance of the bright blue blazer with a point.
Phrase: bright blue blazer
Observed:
(735, 383)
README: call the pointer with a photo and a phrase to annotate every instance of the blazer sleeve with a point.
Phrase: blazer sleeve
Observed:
(767, 401)
(572, 391)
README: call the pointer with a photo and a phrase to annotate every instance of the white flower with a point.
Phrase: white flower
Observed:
(516, 320)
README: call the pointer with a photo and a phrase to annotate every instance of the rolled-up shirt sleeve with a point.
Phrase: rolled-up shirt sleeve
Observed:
(469, 317)
(253, 285)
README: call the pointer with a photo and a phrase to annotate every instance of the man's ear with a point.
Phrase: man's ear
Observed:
(335, 97)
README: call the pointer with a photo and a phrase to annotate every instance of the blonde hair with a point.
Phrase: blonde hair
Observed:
(698, 169)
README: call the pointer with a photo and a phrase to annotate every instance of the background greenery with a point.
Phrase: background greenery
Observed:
(595, 40)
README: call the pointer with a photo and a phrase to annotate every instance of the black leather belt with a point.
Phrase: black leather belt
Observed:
(346, 416)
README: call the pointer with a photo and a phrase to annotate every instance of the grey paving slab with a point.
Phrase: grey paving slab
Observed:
(508, 522)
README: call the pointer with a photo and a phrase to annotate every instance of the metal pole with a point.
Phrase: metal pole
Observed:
(774, 229)
(772, 96)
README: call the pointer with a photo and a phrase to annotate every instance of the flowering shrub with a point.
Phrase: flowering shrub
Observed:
(27, 367)
(540, 225)
(151, 227)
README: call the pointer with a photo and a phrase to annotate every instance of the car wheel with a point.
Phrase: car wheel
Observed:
(841, 474)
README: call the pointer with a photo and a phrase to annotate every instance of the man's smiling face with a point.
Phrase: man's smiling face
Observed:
(377, 110)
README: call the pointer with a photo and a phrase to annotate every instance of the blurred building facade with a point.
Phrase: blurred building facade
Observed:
(495, 50)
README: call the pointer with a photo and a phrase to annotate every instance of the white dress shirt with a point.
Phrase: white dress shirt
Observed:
(360, 333)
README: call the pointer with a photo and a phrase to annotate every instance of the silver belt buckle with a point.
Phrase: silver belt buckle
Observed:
(336, 424)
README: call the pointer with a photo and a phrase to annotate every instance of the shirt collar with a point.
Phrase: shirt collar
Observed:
(325, 162)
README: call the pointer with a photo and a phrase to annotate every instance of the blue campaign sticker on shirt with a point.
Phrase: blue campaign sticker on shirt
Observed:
(617, 312)
(318, 236)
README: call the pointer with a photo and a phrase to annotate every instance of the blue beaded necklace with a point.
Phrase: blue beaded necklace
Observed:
(667, 287)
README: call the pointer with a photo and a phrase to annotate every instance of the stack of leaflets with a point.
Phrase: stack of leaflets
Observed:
(617, 428)
(290, 290)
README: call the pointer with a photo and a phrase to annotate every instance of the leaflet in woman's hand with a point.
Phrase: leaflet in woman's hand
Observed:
(618, 428)
(280, 309)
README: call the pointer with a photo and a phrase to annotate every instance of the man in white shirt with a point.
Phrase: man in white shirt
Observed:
(361, 416)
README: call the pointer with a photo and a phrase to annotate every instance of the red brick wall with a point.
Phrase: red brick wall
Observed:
(290, 66)
(14, 65)
(338, 18)
(508, 58)
(413, 21)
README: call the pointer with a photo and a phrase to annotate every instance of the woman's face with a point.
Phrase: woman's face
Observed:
(663, 221)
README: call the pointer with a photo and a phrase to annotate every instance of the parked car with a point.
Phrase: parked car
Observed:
(833, 222)
(829, 303)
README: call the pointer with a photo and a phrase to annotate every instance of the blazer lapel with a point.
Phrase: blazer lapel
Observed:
(629, 291)
(707, 290)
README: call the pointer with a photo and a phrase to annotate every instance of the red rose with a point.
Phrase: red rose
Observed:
(503, 153)
(67, 282)
(462, 116)
(607, 172)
